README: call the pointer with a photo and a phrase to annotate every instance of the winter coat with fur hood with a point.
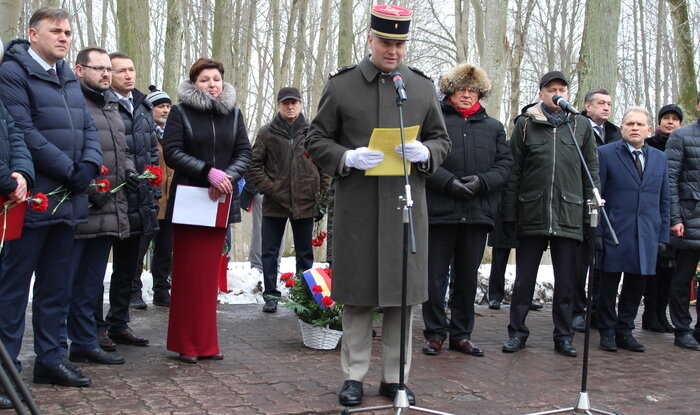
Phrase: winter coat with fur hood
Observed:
(205, 132)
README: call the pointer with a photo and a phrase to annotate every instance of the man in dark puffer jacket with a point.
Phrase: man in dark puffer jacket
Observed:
(44, 97)
(683, 172)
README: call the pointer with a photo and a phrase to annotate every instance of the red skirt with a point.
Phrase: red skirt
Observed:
(194, 289)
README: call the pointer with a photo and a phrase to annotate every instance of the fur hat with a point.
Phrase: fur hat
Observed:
(465, 76)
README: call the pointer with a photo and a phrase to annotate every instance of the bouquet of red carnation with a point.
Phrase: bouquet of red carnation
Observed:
(302, 298)
(104, 170)
(101, 185)
(152, 173)
(318, 236)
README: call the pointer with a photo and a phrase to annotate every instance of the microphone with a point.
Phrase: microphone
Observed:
(398, 84)
(560, 102)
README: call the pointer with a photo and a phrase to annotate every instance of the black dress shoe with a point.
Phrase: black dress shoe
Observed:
(59, 375)
(565, 348)
(535, 306)
(432, 346)
(494, 305)
(270, 305)
(105, 342)
(161, 299)
(126, 336)
(607, 343)
(96, 356)
(137, 303)
(5, 402)
(514, 344)
(628, 342)
(578, 323)
(687, 341)
(467, 347)
(187, 358)
(217, 356)
(73, 368)
(388, 390)
(351, 393)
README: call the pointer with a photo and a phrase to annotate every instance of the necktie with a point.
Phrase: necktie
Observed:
(52, 74)
(601, 132)
(129, 105)
(638, 163)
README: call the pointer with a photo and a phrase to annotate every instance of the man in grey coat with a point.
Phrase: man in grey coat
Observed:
(368, 227)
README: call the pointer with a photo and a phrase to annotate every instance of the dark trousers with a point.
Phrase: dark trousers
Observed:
(528, 256)
(466, 244)
(136, 283)
(162, 257)
(497, 278)
(657, 291)
(272, 233)
(46, 252)
(622, 322)
(90, 258)
(686, 262)
(125, 255)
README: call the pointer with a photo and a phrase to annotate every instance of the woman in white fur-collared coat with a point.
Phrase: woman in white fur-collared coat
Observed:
(206, 143)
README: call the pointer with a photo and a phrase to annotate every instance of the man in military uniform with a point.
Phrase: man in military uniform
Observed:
(368, 228)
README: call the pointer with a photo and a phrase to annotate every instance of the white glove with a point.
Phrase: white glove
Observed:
(416, 152)
(363, 158)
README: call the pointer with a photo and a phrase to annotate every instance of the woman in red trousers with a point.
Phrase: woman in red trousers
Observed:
(206, 144)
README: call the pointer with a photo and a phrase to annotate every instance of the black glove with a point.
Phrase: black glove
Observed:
(246, 199)
(132, 181)
(598, 243)
(82, 177)
(664, 252)
(99, 199)
(319, 212)
(508, 229)
(472, 183)
(458, 190)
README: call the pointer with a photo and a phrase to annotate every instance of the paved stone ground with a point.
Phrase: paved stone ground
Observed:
(267, 370)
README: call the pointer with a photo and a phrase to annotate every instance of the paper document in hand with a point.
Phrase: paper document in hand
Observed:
(386, 140)
(193, 207)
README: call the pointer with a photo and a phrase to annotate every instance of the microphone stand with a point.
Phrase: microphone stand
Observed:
(8, 375)
(583, 405)
(401, 403)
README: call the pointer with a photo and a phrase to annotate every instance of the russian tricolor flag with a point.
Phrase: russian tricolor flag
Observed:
(320, 277)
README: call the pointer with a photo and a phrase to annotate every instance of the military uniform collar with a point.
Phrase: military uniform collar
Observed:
(370, 71)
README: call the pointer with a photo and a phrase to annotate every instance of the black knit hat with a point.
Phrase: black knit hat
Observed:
(669, 108)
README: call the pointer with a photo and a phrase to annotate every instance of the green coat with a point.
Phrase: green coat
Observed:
(547, 190)
(368, 227)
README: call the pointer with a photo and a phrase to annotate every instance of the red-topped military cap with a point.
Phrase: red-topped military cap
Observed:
(390, 22)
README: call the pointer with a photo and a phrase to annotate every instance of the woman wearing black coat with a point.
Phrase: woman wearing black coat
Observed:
(463, 197)
(206, 144)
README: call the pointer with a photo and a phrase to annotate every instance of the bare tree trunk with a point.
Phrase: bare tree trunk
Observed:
(8, 19)
(276, 67)
(244, 70)
(660, 29)
(288, 42)
(522, 24)
(319, 76)
(687, 88)
(597, 67)
(495, 51)
(91, 39)
(173, 47)
(479, 16)
(645, 52)
(105, 27)
(300, 41)
(461, 29)
(221, 38)
(134, 39)
(346, 37)
(203, 28)
(79, 40)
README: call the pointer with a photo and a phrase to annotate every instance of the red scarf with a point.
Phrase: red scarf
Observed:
(469, 111)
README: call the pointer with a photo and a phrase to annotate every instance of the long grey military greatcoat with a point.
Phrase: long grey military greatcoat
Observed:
(368, 227)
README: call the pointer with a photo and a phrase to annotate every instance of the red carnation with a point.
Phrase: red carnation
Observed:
(104, 170)
(154, 174)
(290, 283)
(38, 202)
(286, 276)
(327, 301)
(317, 289)
(329, 272)
(102, 185)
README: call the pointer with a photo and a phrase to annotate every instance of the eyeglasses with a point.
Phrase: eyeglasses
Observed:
(100, 68)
